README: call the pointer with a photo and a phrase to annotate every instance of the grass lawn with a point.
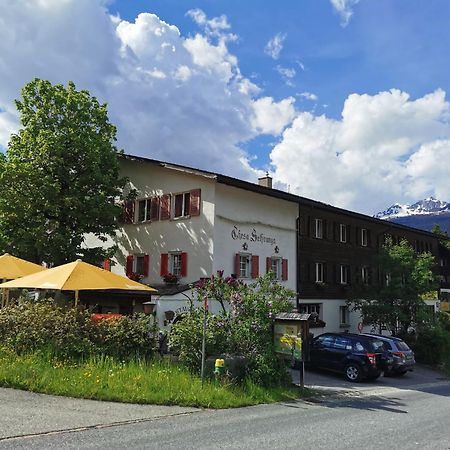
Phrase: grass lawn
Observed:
(104, 378)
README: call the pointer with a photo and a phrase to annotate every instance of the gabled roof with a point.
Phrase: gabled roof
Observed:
(271, 192)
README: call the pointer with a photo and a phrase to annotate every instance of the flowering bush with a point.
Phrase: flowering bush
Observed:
(170, 278)
(243, 327)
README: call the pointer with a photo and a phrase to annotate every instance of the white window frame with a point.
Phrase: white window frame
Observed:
(184, 206)
(319, 272)
(175, 263)
(365, 274)
(364, 237)
(342, 233)
(344, 315)
(311, 308)
(138, 260)
(344, 270)
(318, 229)
(147, 209)
(276, 267)
(245, 265)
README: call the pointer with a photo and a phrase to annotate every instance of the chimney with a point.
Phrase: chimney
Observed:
(265, 181)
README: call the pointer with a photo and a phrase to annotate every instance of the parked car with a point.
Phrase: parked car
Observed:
(402, 355)
(357, 356)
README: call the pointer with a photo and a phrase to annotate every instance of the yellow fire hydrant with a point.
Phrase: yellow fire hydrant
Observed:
(219, 367)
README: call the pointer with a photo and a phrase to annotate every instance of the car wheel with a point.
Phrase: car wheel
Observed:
(403, 372)
(353, 372)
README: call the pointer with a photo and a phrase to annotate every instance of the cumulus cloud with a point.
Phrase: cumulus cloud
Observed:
(275, 45)
(271, 117)
(345, 9)
(385, 147)
(172, 97)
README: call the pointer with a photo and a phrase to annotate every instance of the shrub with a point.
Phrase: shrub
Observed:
(244, 327)
(70, 332)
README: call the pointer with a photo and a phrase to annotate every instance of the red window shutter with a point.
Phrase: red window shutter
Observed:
(237, 265)
(255, 266)
(107, 264)
(128, 211)
(183, 271)
(165, 207)
(155, 208)
(164, 264)
(195, 198)
(268, 264)
(284, 269)
(146, 265)
(129, 266)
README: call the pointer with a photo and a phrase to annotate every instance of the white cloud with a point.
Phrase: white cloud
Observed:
(175, 98)
(345, 9)
(275, 45)
(271, 117)
(386, 147)
(309, 96)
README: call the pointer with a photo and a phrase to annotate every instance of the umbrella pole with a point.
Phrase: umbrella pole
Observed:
(76, 298)
(3, 294)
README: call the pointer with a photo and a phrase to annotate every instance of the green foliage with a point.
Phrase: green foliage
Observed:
(70, 332)
(60, 177)
(406, 277)
(132, 381)
(431, 342)
(444, 237)
(244, 326)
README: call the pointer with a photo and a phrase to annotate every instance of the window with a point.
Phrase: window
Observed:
(318, 231)
(276, 267)
(319, 273)
(139, 264)
(342, 233)
(365, 275)
(144, 209)
(344, 272)
(312, 308)
(364, 237)
(244, 266)
(343, 315)
(325, 341)
(174, 262)
(181, 204)
(342, 343)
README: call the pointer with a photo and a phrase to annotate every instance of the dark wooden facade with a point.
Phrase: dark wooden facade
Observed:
(347, 242)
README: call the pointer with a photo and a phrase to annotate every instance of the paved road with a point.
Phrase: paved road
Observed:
(413, 414)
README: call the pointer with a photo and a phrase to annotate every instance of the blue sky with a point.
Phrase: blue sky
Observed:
(344, 101)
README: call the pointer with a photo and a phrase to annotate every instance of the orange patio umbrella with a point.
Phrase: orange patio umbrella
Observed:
(77, 276)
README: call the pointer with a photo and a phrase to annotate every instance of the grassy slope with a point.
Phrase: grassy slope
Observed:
(130, 382)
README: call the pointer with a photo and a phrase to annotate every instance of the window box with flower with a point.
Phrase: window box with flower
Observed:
(170, 278)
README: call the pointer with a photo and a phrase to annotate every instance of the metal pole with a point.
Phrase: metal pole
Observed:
(302, 374)
(205, 311)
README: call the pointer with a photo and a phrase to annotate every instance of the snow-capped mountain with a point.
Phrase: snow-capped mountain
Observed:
(427, 206)
(423, 214)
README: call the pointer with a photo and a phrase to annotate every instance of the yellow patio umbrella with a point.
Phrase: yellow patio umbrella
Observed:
(12, 267)
(76, 276)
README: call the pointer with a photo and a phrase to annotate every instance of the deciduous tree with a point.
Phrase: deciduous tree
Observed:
(59, 179)
(396, 300)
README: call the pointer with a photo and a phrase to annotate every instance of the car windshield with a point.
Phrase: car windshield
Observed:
(376, 346)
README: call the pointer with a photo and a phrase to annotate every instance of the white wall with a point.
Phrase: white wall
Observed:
(193, 235)
(249, 212)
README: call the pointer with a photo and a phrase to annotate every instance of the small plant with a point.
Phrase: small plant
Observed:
(170, 278)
